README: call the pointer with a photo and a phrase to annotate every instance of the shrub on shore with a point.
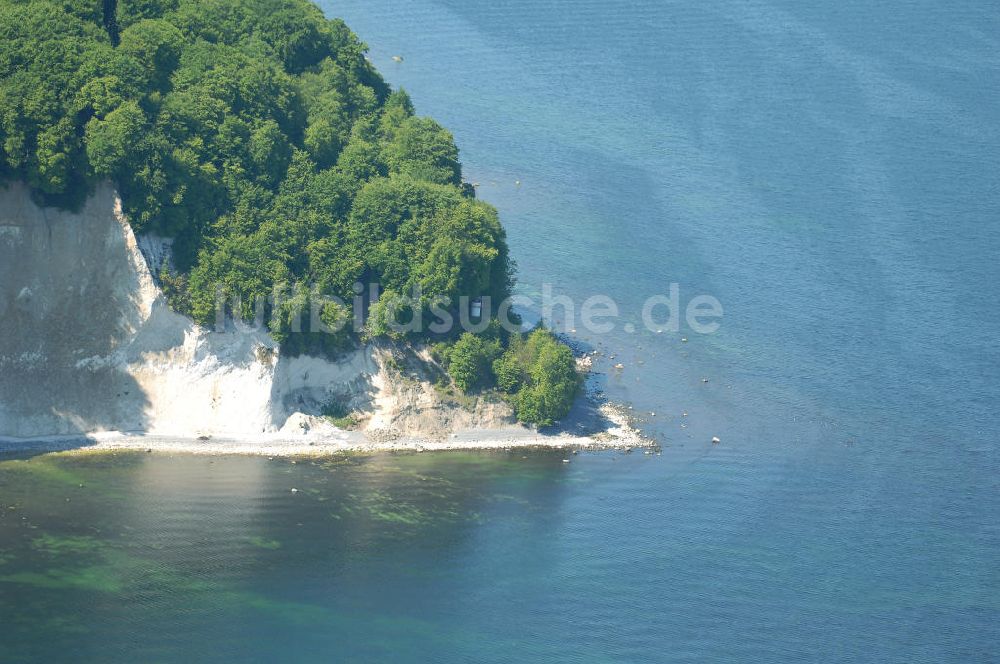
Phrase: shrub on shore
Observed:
(535, 373)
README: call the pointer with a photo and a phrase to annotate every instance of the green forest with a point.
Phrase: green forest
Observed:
(257, 136)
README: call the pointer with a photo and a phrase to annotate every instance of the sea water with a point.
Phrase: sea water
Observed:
(828, 172)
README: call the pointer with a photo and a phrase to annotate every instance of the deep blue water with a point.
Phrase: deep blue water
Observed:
(829, 172)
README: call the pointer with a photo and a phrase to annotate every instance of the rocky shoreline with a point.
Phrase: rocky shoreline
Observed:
(158, 381)
(327, 440)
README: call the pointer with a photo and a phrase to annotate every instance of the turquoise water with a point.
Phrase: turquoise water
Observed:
(828, 171)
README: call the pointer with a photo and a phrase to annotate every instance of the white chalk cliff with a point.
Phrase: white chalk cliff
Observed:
(88, 344)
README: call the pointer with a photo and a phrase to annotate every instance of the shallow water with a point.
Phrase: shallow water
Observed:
(446, 557)
(829, 172)
(476, 557)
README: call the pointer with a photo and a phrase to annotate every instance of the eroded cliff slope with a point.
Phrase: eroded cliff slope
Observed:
(88, 344)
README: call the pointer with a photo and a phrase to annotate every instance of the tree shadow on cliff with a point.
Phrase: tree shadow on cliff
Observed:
(318, 385)
(70, 305)
(63, 407)
(56, 385)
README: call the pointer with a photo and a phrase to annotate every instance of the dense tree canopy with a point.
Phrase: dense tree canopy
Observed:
(539, 375)
(470, 361)
(535, 373)
(257, 135)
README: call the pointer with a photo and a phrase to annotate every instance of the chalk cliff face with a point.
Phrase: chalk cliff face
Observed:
(88, 344)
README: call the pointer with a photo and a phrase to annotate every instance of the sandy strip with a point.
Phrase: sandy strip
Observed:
(329, 442)
(305, 446)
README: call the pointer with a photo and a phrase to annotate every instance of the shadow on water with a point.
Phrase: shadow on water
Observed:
(148, 557)
(586, 417)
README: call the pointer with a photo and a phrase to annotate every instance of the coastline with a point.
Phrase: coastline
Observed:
(161, 377)
(331, 441)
